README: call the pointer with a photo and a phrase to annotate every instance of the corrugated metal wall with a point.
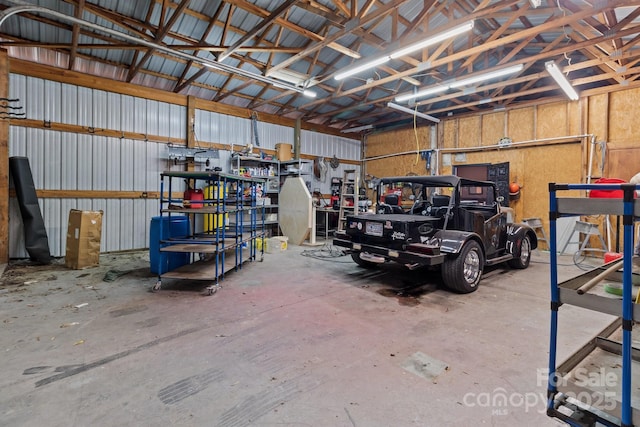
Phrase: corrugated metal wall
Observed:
(90, 161)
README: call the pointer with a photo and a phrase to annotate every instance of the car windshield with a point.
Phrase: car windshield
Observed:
(406, 193)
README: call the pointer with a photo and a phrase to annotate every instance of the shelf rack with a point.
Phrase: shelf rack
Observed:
(567, 396)
(225, 247)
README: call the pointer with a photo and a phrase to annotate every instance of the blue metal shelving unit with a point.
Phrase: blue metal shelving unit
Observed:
(563, 401)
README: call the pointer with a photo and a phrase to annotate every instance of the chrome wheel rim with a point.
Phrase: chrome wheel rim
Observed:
(472, 267)
(525, 250)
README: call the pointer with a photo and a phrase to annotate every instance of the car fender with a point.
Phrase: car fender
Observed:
(515, 234)
(452, 241)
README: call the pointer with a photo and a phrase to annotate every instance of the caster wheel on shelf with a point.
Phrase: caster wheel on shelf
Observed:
(156, 287)
(212, 289)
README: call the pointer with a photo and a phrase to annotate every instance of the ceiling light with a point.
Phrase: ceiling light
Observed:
(309, 93)
(562, 81)
(487, 76)
(359, 68)
(467, 26)
(421, 93)
(412, 112)
(357, 129)
(406, 50)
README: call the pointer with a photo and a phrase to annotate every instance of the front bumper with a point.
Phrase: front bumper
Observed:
(399, 256)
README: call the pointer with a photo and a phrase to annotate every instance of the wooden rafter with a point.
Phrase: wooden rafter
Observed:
(256, 29)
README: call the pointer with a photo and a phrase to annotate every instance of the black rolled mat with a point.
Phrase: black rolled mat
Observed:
(35, 235)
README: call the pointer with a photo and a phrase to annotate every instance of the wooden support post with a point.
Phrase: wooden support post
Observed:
(191, 132)
(4, 162)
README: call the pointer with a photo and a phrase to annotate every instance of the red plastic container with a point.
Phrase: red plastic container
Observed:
(607, 194)
(193, 198)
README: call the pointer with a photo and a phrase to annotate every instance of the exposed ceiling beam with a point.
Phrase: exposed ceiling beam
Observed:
(255, 30)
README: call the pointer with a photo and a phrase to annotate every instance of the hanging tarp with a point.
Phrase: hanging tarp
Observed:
(35, 235)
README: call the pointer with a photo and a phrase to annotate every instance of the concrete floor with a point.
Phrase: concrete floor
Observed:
(291, 341)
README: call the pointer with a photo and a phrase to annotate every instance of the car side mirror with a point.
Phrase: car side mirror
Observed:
(500, 199)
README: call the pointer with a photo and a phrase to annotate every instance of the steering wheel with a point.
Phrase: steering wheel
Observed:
(420, 207)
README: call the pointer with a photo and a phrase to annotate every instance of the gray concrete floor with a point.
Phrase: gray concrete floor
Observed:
(291, 341)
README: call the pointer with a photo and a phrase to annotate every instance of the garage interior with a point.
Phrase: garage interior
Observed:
(122, 120)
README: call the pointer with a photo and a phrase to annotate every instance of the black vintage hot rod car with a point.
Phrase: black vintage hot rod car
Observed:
(453, 223)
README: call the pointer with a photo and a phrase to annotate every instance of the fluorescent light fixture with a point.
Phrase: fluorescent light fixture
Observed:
(359, 68)
(357, 129)
(487, 76)
(562, 81)
(412, 112)
(309, 93)
(421, 93)
(294, 77)
(407, 50)
(467, 26)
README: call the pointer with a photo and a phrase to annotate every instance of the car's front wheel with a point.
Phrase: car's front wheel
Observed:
(355, 256)
(523, 260)
(462, 273)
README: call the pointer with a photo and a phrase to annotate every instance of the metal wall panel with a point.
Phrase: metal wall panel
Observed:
(85, 162)
(52, 101)
(162, 119)
(140, 116)
(18, 90)
(114, 111)
(100, 109)
(85, 107)
(34, 104)
(127, 164)
(52, 160)
(139, 165)
(68, 161)
(153, 127)
(69, 104)
(127, 113)
(35, 151)
(177, 118)
(112, 172)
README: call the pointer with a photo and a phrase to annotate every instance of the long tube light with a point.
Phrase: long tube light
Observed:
(463, 82)
(412, 112)
(463, 28)
(23, 7)
(365, 66)
(562, 81)
(422, 93)
(357, 129)
(467, 26)
(487, 76)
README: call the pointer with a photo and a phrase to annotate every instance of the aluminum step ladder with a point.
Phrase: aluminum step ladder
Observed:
(588, 229)
(536, 225)
(348, 198)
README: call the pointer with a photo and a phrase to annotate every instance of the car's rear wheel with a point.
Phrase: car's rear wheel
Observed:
(522, 261)
(462, 273)
(362, 263)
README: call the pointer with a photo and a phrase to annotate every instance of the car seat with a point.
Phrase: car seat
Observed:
(393, 200)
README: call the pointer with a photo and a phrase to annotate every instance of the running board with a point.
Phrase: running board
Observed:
(498, 260)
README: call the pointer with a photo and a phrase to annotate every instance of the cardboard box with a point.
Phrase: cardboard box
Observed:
(84, 232)
(283, 151)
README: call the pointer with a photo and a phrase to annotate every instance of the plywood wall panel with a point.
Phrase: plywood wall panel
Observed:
(449, 133)
(398, 141)
(521, 124)
(624, 111)
(470, 131)
(493, 126)
(552, 120)
(597, 116)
